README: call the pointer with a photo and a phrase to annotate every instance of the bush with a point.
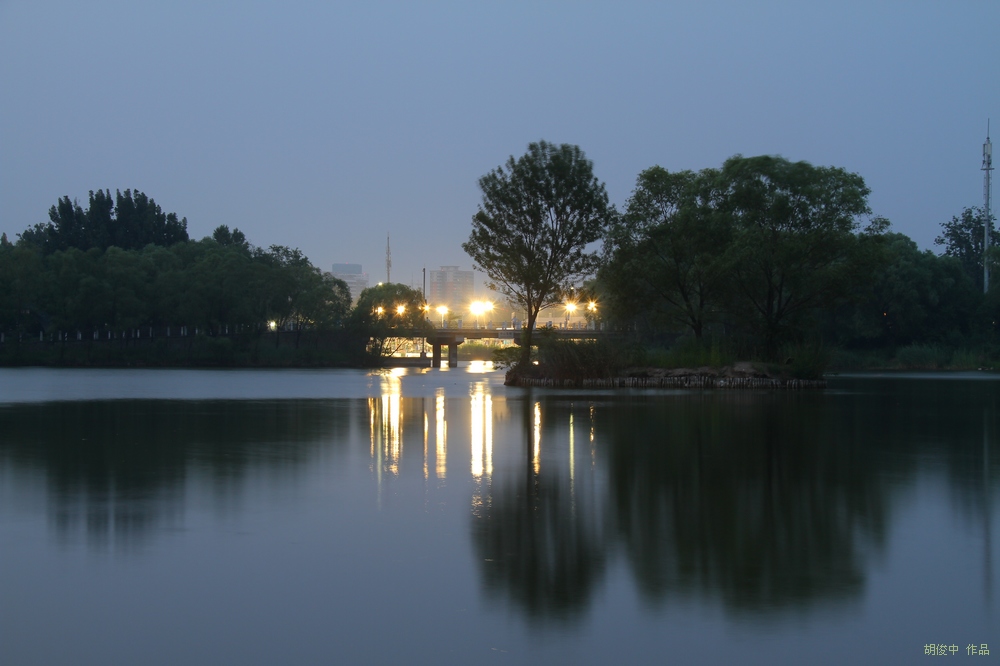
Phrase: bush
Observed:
(965, 359)
(846, 359)
(807, 361)
(570, 359)
(925, 357)
(691, 353)
(506, 357)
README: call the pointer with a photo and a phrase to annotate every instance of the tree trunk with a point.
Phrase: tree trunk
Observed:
(526, 337)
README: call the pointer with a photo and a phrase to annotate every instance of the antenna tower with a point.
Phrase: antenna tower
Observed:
(388, 260)
(987, 216)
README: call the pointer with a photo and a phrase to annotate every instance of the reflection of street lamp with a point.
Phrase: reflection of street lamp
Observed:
(442, 310)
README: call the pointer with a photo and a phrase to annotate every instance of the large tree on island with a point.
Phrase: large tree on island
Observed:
(537, 217)
(797, 245)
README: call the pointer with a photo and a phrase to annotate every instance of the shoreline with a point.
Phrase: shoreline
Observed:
(684, 382)
(741, 375)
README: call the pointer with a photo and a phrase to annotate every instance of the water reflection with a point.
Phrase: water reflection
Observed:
(386, 426)
(392, 418)
(117, 471)
(482, 430)
(440, 437)
(758, 503)
(540, 542)
(763, 502)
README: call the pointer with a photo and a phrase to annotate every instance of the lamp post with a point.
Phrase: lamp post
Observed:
(442, 310)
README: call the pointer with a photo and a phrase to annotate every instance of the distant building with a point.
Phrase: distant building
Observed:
(356, 279)
(450, 286)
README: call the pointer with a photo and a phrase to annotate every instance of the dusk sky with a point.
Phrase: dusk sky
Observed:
(325, 126)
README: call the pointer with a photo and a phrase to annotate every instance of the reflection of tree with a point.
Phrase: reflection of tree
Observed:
(119, 467)
(537, 540)
(762, 499)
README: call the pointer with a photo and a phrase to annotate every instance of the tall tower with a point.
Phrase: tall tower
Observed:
(987, 191)
(388, 260)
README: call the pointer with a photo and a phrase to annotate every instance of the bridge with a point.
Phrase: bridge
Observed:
(453, 337)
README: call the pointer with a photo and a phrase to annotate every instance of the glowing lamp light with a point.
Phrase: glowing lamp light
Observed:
(400, 310)
(272, 325)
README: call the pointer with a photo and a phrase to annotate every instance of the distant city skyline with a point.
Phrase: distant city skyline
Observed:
(355, 277)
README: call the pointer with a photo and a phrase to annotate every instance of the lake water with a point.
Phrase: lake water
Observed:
(435, 516)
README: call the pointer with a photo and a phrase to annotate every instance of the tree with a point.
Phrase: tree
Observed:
(962, 237)
(796, 247)
(537, 217)
(325, 302)
(223, 236)
(386, 314)
(129, 221)
(913, 297)
(663, 257)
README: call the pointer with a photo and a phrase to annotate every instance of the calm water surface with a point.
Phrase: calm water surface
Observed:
(312, 517)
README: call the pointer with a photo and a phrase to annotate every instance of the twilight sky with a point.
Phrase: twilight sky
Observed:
(324, 126)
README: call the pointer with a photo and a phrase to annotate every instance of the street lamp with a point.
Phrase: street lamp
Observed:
(442, 310)
(592, 309)
(400, 310)
(479, 308)
(570, 309)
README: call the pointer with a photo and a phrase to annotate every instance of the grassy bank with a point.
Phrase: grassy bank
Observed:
(564, 360)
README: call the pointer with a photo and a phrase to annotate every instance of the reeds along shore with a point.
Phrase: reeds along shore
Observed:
(696, 381)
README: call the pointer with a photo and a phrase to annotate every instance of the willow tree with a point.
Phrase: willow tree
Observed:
(538, 215)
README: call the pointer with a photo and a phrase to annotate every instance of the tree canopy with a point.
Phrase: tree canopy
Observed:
(759, 246)
(795, 244)
(538, 215)
(386, 313)
(664, 256)
(962, 238)
(130, 221)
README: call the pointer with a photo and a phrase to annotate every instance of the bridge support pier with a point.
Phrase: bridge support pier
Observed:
(453, 355)
(436, 355)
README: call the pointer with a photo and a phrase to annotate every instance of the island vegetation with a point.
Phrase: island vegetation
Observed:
(762, 267)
